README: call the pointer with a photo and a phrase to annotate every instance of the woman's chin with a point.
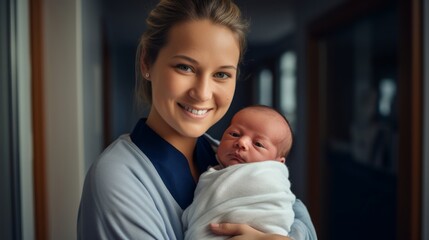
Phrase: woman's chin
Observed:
(194, 130)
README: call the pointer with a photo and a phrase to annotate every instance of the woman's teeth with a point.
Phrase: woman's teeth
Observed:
(195, 111)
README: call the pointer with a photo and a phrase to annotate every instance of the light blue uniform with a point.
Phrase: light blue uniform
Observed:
(140, 185)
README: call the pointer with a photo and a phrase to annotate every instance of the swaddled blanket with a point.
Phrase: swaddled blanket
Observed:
(257, 194)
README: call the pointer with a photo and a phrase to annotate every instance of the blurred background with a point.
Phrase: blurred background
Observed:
(350, 75)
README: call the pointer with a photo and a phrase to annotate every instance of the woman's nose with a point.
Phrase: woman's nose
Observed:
(202, 90)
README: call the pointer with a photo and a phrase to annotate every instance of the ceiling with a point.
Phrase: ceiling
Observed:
(269, 20)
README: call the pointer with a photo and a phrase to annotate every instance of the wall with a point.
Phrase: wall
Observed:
(123, 111)
(92, 80)
(25, 124)
(16, 175)
(72, 104)
(123, 24)
(425, 201)
(306, 11)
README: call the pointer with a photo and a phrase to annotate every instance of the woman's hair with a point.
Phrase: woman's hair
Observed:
(171, 12)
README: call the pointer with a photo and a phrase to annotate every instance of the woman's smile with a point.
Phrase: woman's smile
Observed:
(193, 111)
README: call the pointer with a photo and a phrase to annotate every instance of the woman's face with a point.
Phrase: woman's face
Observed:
(193, 79)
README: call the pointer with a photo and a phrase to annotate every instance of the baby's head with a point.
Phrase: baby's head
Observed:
(256, 133)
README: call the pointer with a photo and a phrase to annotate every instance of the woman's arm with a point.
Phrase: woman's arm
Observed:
(302, 228)
(243, 231)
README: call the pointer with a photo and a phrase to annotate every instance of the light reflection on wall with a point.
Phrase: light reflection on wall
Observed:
(288, 86)
(387, 90)
(266, 87)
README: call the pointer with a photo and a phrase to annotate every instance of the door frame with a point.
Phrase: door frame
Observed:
(38, 113)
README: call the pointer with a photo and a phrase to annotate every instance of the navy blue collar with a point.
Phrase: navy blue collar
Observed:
(171, 165)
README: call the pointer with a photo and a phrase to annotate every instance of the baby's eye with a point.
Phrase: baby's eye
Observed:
(183, 67)
(222, 75)
(260, 145)
(234, 134)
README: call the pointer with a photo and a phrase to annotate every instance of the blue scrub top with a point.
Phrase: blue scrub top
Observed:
(171, 164)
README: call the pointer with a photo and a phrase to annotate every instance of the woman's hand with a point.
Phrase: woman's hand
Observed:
(242, 231)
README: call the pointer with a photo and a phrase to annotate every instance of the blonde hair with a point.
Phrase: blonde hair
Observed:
(170, 12)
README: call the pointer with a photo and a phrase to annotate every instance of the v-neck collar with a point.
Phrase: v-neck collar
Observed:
(171, 164)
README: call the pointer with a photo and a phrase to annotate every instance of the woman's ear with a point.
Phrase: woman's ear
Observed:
(144, 66)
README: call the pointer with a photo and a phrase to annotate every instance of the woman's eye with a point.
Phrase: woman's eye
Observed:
(222, 75)
(183, 67)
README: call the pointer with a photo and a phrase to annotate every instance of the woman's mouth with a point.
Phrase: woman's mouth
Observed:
(194, 111)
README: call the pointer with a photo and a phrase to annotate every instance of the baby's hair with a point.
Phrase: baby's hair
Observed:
(265, 107)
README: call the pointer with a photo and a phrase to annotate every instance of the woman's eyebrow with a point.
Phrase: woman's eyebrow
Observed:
(186, 58)
(229, 66)
(196, 62)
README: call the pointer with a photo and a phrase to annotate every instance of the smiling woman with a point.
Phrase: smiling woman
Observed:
(196, 73)
(188, 96)
(188, 60)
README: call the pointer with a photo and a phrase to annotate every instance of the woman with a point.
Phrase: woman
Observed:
(141, 183)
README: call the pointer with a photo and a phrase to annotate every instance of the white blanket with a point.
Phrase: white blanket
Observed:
(257, 194)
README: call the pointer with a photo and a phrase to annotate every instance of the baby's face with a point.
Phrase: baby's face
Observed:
(253, 136)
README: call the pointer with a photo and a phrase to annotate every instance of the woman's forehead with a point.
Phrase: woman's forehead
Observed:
(199, 38)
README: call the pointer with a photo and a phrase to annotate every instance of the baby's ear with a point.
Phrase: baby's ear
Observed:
(281, 159)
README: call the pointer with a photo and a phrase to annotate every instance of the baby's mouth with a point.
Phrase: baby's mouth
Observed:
(237, 157)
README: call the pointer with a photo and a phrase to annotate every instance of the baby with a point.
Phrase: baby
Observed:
(250, 185)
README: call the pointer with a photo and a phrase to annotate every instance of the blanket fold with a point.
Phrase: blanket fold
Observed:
(257, 194)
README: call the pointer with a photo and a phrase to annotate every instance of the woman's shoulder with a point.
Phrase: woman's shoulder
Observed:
(123, 171)
(119, 164)
(113, 156)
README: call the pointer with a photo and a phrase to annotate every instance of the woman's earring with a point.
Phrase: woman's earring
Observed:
(146, 75)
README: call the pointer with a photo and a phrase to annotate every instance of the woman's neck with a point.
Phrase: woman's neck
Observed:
(185, 145)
